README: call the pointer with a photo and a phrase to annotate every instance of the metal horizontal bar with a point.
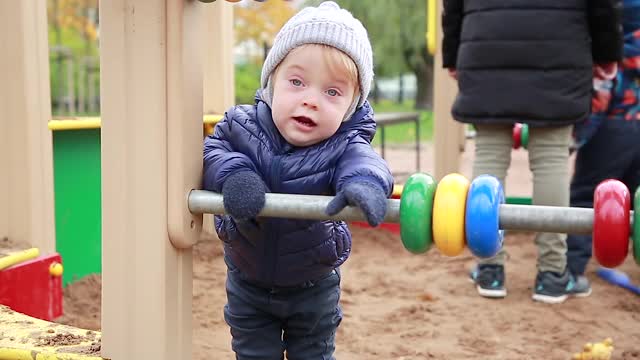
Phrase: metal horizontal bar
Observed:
(553, 219)
(396, 118)
(512, 217)
(289, 206)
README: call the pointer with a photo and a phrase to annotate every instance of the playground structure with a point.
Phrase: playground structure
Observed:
(77, 187)
(43, 297)
(152, 80)
(151, 54)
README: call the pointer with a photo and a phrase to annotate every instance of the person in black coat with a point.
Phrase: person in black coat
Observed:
(531, 62)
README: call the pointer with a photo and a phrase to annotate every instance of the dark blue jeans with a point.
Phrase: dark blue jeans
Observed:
(612, 153)
(266, 322)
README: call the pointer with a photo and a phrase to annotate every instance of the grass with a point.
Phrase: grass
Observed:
(403, 133)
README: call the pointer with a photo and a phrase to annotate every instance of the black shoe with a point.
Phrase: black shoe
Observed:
(552, 287)
(489, 280)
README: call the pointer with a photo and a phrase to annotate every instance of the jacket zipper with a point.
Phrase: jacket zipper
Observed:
(271, 248)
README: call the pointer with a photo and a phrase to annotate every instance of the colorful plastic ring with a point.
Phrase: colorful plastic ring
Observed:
(416, 208)
(448, 214)
(524, 136)
(482, 217)
(611, 211)
(517, 133)
(636, 226)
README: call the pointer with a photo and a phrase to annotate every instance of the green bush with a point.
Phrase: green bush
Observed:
(247, 82)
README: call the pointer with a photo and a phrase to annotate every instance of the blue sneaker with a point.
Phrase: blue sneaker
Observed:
(553, 288)
(489, 280)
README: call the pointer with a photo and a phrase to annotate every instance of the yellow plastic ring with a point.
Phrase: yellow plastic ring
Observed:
(449, 206)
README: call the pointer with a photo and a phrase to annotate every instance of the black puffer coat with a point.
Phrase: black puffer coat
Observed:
(528, 60)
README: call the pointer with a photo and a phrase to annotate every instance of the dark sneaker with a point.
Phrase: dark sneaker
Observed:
(553, 288)
(582, 286)
(489, 280)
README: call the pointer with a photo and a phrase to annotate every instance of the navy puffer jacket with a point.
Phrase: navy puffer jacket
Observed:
(287, 252)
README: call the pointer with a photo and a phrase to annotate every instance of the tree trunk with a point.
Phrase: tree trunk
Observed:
(82, 64)
(424, 85)
(265, 50)
(59, 74)
(376, 92)
(400, 89)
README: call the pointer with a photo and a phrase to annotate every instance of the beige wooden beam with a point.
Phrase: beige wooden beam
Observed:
(219, 79)
(26, 165)
(151, 83)
(219, 70)
(448, 134)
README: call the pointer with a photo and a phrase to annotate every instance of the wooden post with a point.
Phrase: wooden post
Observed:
(26, 165)
(448, 134)
(219, 85)
(151, 86)
(219, 70)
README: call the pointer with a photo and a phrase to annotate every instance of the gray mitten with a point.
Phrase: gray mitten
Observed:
(243, 195)
(368, 195)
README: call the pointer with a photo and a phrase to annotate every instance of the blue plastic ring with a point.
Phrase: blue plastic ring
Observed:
(482, 216)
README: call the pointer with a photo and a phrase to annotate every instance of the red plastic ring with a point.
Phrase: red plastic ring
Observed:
(517, 135)
(611, 225)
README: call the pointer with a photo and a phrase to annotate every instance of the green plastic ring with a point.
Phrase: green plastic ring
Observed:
(416, 210)
(636, 226)
(524, 136)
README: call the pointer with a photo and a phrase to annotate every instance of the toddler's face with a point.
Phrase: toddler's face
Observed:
(309, 100)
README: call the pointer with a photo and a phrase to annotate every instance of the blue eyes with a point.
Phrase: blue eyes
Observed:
(298, 83)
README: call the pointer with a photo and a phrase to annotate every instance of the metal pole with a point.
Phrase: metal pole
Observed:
(553, 219)
(417, 122)
(310, 207)
(512, 217)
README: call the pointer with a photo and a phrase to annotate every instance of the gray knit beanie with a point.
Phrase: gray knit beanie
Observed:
(327, 24)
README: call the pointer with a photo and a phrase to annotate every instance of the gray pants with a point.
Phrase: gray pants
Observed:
(548, 160)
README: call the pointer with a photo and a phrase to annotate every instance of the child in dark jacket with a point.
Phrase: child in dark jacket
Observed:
(309, 132)
(609, 141)
(532, 62)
